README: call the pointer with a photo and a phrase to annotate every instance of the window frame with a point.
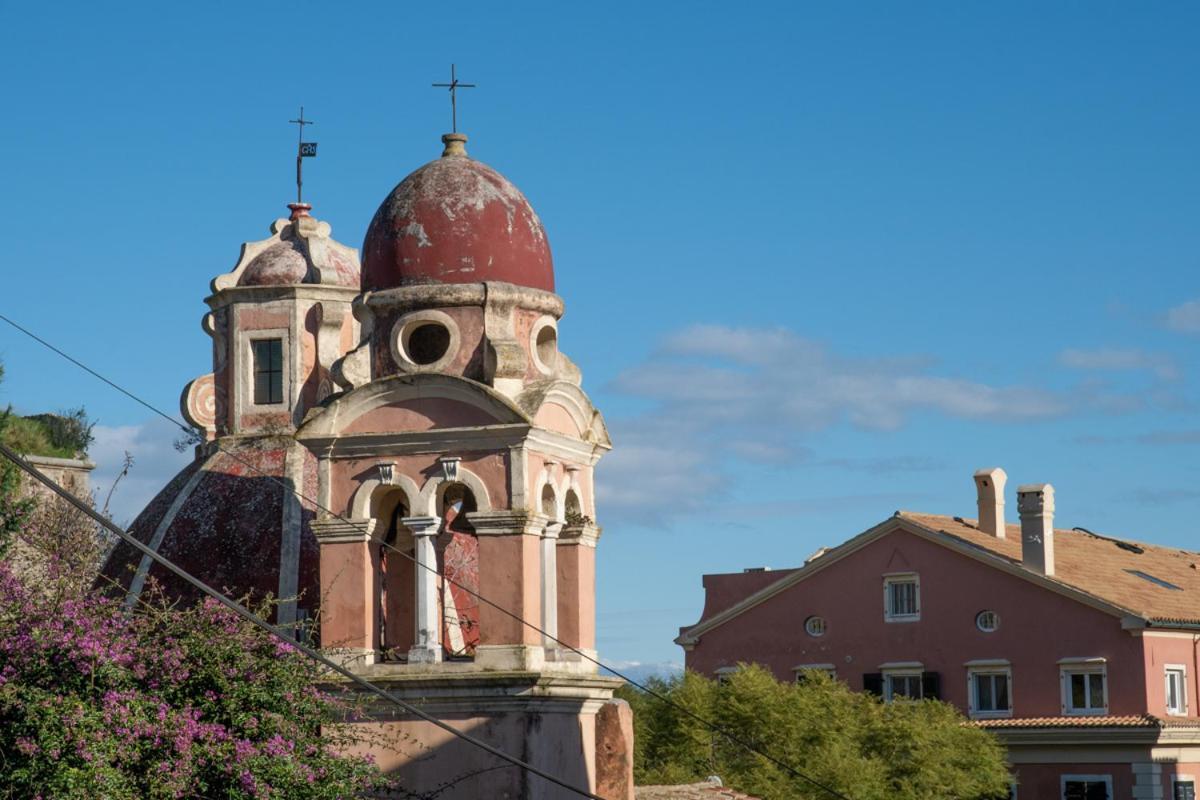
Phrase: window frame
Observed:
(1177, 779)
(1065, 779)
(1082, 666)
(817, 618)
(1181, 671)
(799, 669)
(976, 669)
(893, 578)
(902, 670)
(254, 341)
(721, 674)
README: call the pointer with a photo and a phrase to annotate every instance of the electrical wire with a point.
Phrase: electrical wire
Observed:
(259, 622)
(191, 432)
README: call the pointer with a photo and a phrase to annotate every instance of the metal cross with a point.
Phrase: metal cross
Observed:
(300, 123)
(453, 86)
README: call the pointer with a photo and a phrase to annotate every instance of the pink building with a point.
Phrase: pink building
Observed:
(1078, 650)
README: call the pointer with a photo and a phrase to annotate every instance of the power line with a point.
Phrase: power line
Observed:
(259, 622)
(748, 746)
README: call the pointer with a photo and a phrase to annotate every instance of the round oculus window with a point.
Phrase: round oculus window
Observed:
(987, 621)
(814, 626)
(427, 342)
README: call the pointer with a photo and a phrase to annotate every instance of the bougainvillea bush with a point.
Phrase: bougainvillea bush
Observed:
(160, 702)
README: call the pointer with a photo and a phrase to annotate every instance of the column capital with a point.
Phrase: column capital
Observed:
(508, 523)
(422, 526)
(552, 530)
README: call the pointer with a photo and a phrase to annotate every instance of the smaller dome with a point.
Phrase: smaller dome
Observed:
(299, 251)
(456, 220)
(279, 265)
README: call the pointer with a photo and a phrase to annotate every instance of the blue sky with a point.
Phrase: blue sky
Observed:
(821, 261)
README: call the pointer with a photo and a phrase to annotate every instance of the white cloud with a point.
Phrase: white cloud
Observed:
(1185, 317)
(1120, 360)
(728, 396)
(155, 462)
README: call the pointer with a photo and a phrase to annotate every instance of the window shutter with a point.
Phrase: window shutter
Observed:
(931, 685)
(873, 683)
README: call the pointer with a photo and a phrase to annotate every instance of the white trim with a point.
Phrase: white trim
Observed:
(427, 500)
(894, 579)
(1082, 667)
(987, 662)
(977, 670)
(1106, 779)
(1183, 694)
(1083, 660)
(902, 665)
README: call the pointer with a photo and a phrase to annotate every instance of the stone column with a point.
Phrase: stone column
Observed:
(510, 576)
(550, 587)
(349, 591)
(427, 647)
(577, 590)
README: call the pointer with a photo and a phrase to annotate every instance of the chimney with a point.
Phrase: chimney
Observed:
(1035, 504)
(989, 488)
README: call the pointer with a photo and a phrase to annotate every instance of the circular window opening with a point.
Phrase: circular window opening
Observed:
(546, 343)
(987, 621)
(814, 626)
(427, 343)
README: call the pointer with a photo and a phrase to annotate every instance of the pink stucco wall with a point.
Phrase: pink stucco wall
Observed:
(1037, 628)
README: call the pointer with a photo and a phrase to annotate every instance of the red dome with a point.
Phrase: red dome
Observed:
(456, 220)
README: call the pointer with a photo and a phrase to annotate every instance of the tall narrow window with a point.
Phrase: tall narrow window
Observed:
(1175, 691)
(268, 371)
(901, 598)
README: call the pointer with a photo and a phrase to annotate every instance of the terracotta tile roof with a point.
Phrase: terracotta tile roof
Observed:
(1101, 566)
(1129, 721)
(691, 791)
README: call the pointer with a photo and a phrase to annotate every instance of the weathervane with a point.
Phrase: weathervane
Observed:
(305, 150)
(453, 86)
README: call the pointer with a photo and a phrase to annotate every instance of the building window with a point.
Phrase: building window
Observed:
(987, 621)
(803, 671)
(902, 684)
(1084, 687)
(901, 598)
(990, 691)
(1087, 787)
(268, 371)
(814, 626)
(723, 673)
(1176, 679)
(1183, 787)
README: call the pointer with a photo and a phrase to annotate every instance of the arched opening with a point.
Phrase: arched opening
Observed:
(549, 502)
(458, 567)
(574, 508)
(396, 577)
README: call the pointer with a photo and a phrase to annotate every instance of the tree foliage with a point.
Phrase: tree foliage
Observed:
(849, 741)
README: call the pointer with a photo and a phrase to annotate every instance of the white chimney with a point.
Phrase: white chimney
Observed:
(989, 488)
(1035, 504)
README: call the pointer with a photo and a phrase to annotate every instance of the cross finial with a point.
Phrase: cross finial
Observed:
(301, 152)
(454, 85)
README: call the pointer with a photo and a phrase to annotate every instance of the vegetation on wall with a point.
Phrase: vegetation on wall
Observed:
(849, 741)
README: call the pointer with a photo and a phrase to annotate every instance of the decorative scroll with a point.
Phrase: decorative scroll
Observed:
(201, 404)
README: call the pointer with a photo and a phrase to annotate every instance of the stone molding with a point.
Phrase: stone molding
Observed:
(508, 523)
(463, 294)
(338, 531)
(586, 534)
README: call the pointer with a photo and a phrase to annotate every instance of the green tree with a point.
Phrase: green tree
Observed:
(849, 741)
